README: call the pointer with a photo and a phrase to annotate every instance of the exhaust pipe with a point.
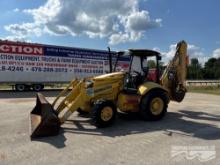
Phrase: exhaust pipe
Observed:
(44, 119)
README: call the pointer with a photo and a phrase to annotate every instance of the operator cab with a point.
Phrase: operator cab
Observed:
(141, 61)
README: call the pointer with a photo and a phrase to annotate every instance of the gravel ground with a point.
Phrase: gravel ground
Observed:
(189, 134)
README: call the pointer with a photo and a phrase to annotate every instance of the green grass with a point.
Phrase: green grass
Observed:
(205, 89)
(5, 87)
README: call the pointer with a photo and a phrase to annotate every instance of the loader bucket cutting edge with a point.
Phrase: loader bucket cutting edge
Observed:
(43, 119)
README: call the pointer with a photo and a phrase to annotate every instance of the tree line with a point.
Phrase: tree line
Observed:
(210, 70)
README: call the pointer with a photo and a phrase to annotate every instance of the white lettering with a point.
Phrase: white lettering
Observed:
(13, 48)
(28, 50)
(19, 49)
(4, 48)
(38, 51)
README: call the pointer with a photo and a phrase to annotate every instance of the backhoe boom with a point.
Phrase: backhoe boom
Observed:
(174, 76)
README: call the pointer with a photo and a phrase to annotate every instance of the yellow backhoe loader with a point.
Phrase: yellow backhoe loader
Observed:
(104, 95)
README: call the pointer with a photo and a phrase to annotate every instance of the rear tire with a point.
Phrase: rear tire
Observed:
(154, 105)
(104, 113)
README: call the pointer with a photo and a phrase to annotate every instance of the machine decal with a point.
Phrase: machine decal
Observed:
(102, 89)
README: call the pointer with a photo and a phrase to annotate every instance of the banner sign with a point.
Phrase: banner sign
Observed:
(36, 58)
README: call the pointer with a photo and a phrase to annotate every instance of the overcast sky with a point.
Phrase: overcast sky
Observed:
(120, 24)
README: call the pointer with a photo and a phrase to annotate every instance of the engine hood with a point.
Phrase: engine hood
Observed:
(113, 76)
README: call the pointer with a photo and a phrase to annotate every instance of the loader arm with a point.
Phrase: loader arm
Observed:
(174, 76)
(74, 100)
(46, 119)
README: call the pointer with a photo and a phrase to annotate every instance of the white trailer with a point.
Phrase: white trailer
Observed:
(31, 66)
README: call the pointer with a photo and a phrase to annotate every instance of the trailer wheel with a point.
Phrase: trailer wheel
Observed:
(20, 87)
(104, 113)
(154, 105)
(37, 87)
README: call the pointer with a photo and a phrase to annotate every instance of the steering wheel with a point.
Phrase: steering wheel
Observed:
(136, 78)
(137, 73)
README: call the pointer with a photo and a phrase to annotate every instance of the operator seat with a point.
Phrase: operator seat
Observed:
(141, 78)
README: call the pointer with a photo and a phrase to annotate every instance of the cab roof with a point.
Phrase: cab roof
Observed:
(143, 52)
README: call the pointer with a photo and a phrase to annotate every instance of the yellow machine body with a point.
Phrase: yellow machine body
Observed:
(83, 94)
(128, 102)
(146, 87)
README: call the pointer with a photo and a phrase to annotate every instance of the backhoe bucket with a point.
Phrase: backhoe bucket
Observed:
(44, 120)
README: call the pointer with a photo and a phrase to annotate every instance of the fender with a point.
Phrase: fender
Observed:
(147, 86)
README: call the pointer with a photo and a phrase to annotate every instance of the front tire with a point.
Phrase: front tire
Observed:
(154, 105)
(104, 113)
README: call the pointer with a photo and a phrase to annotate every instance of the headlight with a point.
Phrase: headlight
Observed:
(89, 84)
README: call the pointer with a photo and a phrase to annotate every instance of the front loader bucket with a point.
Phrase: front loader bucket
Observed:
(44, 120)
